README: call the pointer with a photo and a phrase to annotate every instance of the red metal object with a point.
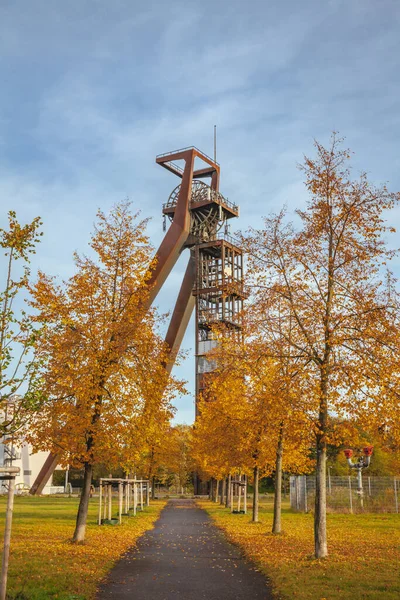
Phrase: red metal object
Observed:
(177, 235)
(45, 473)
(348, 453)
(368, 450)
(182, 312)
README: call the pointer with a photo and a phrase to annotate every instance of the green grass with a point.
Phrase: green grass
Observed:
(363, 563)
(44, 564)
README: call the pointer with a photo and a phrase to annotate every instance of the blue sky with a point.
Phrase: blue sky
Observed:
(92, 90)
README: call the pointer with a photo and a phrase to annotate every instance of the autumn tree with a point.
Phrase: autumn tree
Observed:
(249, 416)
(278, 379)
(168, 457)
(18, 368)
(327, 274)
(179, 460)
(103, 381)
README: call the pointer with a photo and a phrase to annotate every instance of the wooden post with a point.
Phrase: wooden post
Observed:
(148, 493)
(120, 500)
(100, 499)
(109, 486)
(134, 498)
(245, 494)
(305, 494)
(350, 496)
(11, 472)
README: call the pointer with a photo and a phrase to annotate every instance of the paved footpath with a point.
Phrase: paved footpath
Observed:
(184, 557)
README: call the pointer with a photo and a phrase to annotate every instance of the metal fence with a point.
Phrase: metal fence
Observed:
(378, 494)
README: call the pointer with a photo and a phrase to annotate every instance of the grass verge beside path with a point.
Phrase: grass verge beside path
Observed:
(43, 562)
(364, 553)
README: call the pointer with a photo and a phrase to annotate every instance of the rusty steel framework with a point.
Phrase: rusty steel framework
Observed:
(213, 281)
(219, 298)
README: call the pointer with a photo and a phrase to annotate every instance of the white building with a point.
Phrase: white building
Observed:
(16, 452)
(20, 455)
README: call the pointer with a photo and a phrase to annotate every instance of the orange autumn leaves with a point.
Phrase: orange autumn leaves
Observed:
(365, 552)
(325, 320)
(104, 387)
(44, 561)
(247, 407)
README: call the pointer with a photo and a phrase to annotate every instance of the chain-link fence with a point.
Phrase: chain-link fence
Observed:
(378, 494)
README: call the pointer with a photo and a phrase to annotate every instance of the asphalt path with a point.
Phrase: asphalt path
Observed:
(185, 557)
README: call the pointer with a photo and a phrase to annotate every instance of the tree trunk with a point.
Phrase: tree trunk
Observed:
(320, 537)
(276, 525)
(228, 492)
(223, 491)
(153, 488)
(255, 494)
(80, 528)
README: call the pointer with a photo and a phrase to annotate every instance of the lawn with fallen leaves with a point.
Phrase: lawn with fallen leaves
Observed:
(44, 564)
(363, 563)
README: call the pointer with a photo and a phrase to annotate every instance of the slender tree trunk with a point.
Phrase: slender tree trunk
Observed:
(320, 535)
(217, 489)
(7, 539)
(228, 492)
(276, 525)
(223, 491)
(255, 494)
(5, 303)
(153, 488)
(80, 528)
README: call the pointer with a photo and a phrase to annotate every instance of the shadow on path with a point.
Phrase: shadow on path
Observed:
(184, 557)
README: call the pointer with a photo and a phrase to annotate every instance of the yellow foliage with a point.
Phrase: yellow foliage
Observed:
(253, 403)
(104, 385)
(43, 558)
(364, 561)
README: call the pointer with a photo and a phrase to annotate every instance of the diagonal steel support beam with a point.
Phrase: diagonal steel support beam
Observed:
(183, 310)
(45, 473)
(176, 236)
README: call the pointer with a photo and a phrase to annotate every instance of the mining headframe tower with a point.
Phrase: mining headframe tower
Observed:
(213, 281)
